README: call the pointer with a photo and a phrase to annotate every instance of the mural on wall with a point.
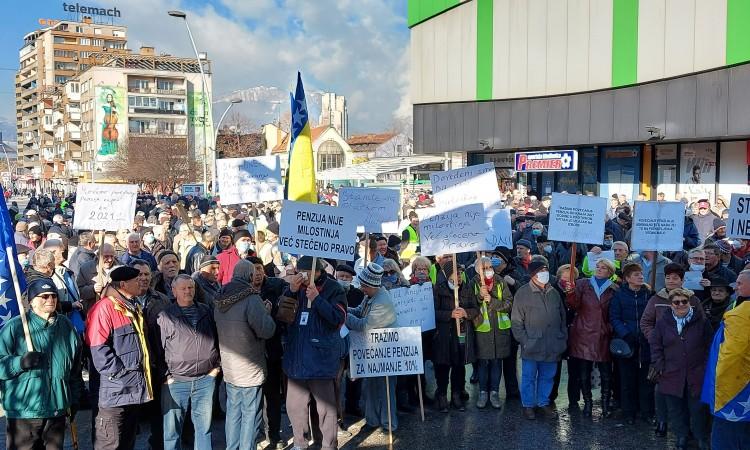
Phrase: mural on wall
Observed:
(698, 171)
(110, 103)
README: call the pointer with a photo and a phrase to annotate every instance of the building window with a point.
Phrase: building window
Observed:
(118, 33)
(59, 40)
(60, 79)
(85, 41)
(97, 31)
(165, 85)
(79, 29)
(330, 156)
(98, 42)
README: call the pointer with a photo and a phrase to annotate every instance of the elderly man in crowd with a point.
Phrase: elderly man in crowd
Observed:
(135, 251)
(207, 284)
(244, 323)
(90, 282)
(169, 267)
(41, 386)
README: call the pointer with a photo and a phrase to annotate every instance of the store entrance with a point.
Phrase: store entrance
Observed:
(620, 172)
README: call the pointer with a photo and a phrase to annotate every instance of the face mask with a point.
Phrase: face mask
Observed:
(489, 273)
(543, 277)
(345, 284)
(243, 246)
(149, 239)
(397, 248)
(495, 261)
(697, 267)
(536, 232)
(451, 286)
(390, 278)
(548, 249)
(608, 243)
(421, 276)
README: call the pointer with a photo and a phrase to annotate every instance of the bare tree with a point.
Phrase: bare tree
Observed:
(157, 163)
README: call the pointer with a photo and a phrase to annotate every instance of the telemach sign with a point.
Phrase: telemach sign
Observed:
(93, 10)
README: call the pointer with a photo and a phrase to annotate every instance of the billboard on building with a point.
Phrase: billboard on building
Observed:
(200, 121)
(547, 161)
(110, 131)
(698, 171)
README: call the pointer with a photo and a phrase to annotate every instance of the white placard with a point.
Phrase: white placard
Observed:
(738, 225)
(594, 258)
(658, 226)
(475, 184)
(577, 218)
(249, 180)
(386, 352)
(415, 306)
(317, 230)
(196, 190)
(109, 207)
(376, 209)
(461, 229)
(692, 280)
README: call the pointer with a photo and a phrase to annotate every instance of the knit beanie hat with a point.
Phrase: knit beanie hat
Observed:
(371, 275)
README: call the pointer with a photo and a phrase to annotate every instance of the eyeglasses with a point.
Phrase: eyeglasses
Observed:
(680, 302)
(48, 296)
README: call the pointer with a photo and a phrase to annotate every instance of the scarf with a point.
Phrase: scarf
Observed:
(599, 286)
(225, 302)
(682, 321)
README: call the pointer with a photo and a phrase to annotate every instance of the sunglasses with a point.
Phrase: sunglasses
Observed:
(48, 296)
(390, 272)
(680, 302)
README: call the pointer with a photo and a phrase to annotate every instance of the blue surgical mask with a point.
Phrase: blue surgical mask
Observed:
(149, 239)
(495, 261)
(548, 249)
(242, 247)
(697, 267)
(536, 232)
(608, 243)
(393, 279)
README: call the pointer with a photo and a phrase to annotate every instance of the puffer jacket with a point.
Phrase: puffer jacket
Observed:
(625, 312)
(47, 391)
(539, 323)
(313, 351)
(591, 331)
(185, 353)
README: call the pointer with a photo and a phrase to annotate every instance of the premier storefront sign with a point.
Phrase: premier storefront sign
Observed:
(547, 161)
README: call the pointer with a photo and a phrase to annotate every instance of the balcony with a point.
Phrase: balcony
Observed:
(159, 133)
(177, 112)
(171, 91)
(73, 136)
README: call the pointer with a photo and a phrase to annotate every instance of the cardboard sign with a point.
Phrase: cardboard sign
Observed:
(658, 226)
(196, 190)
(738, 225)
(594, 258)
(386, 352)
(109, 207)
(415, 306)
(376, 209)
(459, 230)
(249, 180)
(577, 218)
(500, 232)
(317, 230)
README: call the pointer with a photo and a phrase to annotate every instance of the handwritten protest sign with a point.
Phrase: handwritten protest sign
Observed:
(109, 207)
(376, 209)
(415, 306)
(738, 225)
(317, 230)
(594, 258)
(247, 180)
(459, 230)
(386, 352)
(475, 184)
(577, 218)
(658, 226)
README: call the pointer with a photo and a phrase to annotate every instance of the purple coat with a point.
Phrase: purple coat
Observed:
(680, 358)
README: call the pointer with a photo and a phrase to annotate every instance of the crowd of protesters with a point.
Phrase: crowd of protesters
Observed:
(194, 312)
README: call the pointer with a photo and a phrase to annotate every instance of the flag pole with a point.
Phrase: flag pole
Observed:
(17, 287)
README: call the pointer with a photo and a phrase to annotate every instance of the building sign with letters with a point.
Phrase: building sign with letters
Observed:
(547, 161)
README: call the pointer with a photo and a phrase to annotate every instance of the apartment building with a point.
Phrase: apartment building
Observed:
(49, 58)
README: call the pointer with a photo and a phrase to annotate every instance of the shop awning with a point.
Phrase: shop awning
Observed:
(371, 169)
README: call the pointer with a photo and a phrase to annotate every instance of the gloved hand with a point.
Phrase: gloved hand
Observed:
(287, 311)
(631, 339)
(31, 360)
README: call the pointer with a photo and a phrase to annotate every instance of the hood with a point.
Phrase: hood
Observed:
(233, 292)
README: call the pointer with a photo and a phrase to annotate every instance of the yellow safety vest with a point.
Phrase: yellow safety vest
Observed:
(503, 319)
(411, 248)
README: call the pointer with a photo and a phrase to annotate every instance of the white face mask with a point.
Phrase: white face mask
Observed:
(542, 277)
(489, 273)
(451, 286)
(697, 267)
(345, 284)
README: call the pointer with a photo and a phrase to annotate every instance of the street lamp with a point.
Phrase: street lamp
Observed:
(206, 95)
(216, 137)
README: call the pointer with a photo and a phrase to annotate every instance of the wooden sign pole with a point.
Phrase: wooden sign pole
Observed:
(21, 309)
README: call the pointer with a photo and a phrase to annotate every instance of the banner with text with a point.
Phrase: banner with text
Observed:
(109, 207)
(415, 306)
(386, 352)
(317, 230)
(577, 218)
(376, 209)
(658, 226)
(738, 225)
(249, 180)
(459, 230)
(475, 184)
(196, 190)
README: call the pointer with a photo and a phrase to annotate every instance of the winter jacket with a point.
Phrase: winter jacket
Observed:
(81, 256)
(591, 331)
(313, 351)
(127, 258)
(690, 236)
(51, 389)
(116, 333)
(271, 291)
(244, 325)
(661, 263)
(206, 291)
(538, 323)
(227, 260)
(657, 305)
(495, 343)
(561, 254)
(681, 358)
(373, 312)
(184, 352)
(704, 225)
(87, 278)
(194, 257)
(446, 348)
(625, 312)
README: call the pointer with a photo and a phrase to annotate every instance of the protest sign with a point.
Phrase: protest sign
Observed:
(109, 207)
(461, 229)
(594, 258)
(577, 218)
(475, 184)
(415, 306)
(376, 209)
(317, 230)
(249, 180)
(738, 225)
(385, 352)
(196, 190)
(692, 280)
(658, 226)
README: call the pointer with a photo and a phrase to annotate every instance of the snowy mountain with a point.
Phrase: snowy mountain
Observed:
(262, 104)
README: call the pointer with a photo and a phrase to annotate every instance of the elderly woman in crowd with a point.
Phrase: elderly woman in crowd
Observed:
(679, 347)
(492, 328)
(392, 276)
(420, 270)
(565, 284)
(591, 332)
(625, 311)
(539, 325)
